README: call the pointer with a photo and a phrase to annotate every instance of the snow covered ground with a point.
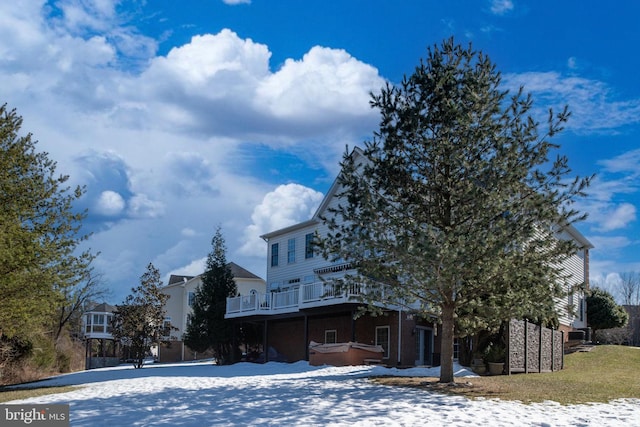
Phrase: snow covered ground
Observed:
(277, 394)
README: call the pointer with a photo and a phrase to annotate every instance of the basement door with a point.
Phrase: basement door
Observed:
(424, 346)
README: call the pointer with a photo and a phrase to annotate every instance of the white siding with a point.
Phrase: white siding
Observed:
(177, 307)
(174, 308)
(287, 274)
(575, 266)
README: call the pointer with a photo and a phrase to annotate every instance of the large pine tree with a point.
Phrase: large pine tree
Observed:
(39, 232)
(207, 328)
(455, 204)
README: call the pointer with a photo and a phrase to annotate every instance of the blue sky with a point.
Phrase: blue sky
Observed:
(182, 116)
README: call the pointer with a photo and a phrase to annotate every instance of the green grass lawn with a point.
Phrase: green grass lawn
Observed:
(601, 375)
(7, 395)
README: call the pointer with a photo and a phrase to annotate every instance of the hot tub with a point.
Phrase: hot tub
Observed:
(344, 354)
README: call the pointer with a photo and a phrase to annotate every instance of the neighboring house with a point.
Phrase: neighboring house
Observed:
(301, 306)
(634, 324)
(100, 347)
(181, 291)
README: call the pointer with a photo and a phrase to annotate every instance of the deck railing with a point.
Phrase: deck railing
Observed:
(306, 296)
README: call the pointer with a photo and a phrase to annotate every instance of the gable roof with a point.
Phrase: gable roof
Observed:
(356, 152)
(102, 308)
(321, 208)
(582, 241)
(241, 273)
(237, 272)
(174, 278)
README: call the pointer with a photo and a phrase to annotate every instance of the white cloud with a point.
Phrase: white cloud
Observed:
(609, 244)
(608, 196)
(141, 206)
(217, 63)
(606, 216)
(222, 84)
(593, 105)
(194, 268)
(109, 203)
(159, 140)
(325, 82)
(235, 2)
(500, 7)
(628, 162)
(607, 281)
(287, 205)
(188, 232)
(618, 218)
(77, 16)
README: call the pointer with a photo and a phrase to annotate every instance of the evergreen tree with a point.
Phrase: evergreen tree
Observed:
(207, 327)
(454, 205)
(138, 322)
(39, 232)
(603, 312)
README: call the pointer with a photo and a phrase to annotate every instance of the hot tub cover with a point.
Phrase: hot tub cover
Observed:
(344, 347)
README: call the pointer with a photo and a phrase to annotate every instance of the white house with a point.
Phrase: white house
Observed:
(181, 291)
(301, 306)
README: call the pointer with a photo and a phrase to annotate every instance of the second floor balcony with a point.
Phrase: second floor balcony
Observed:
(308, 295)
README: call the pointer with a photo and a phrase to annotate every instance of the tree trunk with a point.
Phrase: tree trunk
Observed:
(446, 344)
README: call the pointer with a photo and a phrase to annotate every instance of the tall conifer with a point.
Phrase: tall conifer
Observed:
(455, 204)
(207, 327)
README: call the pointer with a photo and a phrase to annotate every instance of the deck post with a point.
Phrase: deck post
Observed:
(306, 337)
(265, 343)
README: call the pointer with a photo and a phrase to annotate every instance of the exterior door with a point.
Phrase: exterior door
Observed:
(424, 346)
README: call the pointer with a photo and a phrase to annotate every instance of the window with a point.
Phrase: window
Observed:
(291, 250)
(570, 303)
(191, 298)
(308, 246)
(456, 349)
(330, 336)
(274, 255)
(275, 286)
(98, 323)
(166, 327)
(382, 339)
